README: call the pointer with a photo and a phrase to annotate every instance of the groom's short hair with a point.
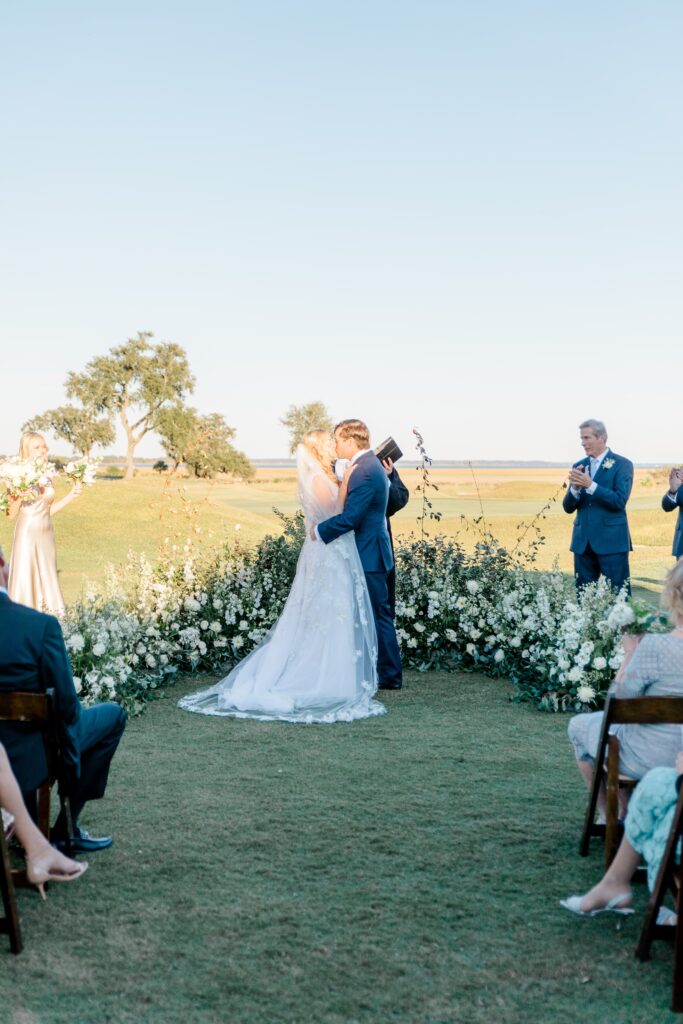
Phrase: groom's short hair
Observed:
(355, 429)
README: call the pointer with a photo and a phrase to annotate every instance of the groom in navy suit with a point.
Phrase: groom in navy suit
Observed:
(365, 512)
(599, 487)
(673, 499)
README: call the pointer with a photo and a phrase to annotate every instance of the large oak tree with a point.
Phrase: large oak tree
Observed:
(135, 381)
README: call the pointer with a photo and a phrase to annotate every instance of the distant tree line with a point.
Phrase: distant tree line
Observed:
(145, 386)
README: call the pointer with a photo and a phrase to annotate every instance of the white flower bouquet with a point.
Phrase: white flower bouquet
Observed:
(82, 471)
(22, 476)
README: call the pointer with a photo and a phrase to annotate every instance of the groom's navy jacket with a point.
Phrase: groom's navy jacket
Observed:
(33, 658)
(365, 512)
(669, 504)
(601, 517)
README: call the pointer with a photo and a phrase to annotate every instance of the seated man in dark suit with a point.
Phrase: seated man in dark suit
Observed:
(33, 658)
(674, 499)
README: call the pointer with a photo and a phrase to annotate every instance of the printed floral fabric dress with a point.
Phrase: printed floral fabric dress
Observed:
(33, 579)
(655, 670)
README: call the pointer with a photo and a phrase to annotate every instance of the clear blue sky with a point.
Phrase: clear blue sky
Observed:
(461, 215)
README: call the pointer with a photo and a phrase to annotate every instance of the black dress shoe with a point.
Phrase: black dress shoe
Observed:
(390, 686)
(83, 842)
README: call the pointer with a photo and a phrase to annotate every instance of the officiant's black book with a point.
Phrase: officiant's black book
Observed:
(388, 450)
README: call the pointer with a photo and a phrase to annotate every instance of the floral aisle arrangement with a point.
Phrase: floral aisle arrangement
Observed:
(481, 609)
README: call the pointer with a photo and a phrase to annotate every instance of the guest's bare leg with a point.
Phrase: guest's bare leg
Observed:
(586, 768)
(36, 846)
(616, 881)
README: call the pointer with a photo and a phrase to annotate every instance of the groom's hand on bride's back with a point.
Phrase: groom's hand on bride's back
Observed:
(313, 533)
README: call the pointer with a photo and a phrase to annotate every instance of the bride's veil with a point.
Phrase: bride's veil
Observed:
(318, 502)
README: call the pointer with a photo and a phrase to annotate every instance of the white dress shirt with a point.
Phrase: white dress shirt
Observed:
(595, 464)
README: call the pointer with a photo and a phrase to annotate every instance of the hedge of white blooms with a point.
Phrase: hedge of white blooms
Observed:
(478, 610)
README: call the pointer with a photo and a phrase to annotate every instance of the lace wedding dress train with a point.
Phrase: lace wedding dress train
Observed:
(318, 662)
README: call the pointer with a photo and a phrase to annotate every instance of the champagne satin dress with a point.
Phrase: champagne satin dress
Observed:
(33, 576)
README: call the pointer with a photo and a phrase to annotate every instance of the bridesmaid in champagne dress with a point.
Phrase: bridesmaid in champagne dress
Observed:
(33, 579)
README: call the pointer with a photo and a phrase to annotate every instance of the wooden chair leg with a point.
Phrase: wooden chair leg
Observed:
(10, 923)
(677, 987)
(665, 881)
(589, 826)
(43, 809)
(612, 826)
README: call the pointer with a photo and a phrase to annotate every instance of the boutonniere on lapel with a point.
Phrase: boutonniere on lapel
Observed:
(608, 463)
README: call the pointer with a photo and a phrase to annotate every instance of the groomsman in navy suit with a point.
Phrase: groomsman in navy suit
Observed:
(365, 512)
(674, 499)
(599, 487)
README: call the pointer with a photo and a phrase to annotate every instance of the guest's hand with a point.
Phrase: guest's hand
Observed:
(580, 478)
(77, 489)
(630, 641)
(388, 465)
(675, 479)
(313, 533)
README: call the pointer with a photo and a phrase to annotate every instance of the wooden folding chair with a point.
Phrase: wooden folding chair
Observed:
(668, 879)
(620, 711)
(38, 709)
(9, 924)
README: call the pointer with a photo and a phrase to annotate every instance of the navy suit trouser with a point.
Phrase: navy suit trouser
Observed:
(388, 655)
(99, 730)
(589, 567)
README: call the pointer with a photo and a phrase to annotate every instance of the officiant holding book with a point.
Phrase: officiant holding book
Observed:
(398, 499)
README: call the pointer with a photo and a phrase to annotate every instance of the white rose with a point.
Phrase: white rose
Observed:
(471, 649)
(472, 586)
(76, 642)
(599, 663)
(99, 649)
(452, 636)
(498, 656)
(78, 685)
(419, 627)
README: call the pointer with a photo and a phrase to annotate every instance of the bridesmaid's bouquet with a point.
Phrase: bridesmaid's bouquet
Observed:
(82, 471)
(22, 476)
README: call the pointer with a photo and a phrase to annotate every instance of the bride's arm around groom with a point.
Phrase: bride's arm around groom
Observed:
(364, 512)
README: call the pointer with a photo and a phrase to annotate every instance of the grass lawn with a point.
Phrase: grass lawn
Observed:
(404, 869)
(115, 516)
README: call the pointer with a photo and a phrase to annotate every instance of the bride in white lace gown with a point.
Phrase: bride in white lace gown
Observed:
(318, 662)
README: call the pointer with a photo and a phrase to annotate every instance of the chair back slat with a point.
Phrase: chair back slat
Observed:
(646, 710)
(24, 707)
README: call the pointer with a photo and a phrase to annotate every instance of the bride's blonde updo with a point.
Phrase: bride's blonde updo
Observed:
(25, 440)
(319, 444)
